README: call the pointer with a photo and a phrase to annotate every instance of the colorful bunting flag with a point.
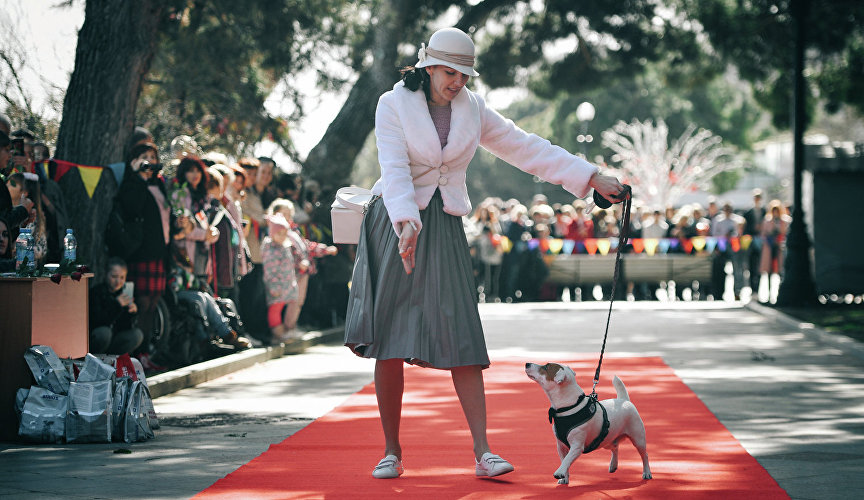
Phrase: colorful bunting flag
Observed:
(651, 245)
(90, 177)
(591, 245)
(569, 245)
(603, 245)
(710, 243)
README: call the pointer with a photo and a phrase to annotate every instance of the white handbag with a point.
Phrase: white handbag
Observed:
(346, 213)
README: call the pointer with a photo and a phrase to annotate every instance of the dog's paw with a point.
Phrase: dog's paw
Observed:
(564, 480)
(613, 468)
(646, 475)
(560, 475)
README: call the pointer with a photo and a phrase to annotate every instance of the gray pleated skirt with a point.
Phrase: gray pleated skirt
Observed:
(428, 317)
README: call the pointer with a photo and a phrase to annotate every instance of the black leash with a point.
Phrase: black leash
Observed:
(623, 235)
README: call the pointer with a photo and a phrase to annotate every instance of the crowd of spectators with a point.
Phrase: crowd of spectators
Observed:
(507, 243)
(244, 240)
(189, 228)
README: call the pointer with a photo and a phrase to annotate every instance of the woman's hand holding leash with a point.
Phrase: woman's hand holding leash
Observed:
(608, 190)
(407, 245)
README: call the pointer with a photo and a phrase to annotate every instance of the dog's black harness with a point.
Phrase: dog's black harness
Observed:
(564, 424)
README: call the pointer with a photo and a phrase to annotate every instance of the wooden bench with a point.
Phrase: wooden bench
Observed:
(638, 268)
(569, 269)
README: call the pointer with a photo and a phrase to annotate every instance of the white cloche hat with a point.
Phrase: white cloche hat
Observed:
(449, 47)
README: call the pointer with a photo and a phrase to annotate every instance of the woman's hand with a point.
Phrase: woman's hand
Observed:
(407, 245)
(609, 186)
(212, 235)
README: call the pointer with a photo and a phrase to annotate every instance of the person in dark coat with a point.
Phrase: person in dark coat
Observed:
(144, 206)
(113, 314)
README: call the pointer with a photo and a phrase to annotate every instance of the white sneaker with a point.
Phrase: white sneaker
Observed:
(492, 465)
(388, 468)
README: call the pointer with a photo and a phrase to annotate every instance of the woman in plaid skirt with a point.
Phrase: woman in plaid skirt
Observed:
(143, 202)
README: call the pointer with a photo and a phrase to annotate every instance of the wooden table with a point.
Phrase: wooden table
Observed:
(37, 311)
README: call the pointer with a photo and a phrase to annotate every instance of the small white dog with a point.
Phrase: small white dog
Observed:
(579, 427)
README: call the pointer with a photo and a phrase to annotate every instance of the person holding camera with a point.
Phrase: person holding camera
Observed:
(142, 200)
(15, 210)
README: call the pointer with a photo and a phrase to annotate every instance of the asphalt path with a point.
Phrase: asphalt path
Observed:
(794, 400)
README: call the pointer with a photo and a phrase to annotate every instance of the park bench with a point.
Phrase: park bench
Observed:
(637, 268)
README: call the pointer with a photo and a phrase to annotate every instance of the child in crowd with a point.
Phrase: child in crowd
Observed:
(305, 252)
(280, 277)
(113, 314)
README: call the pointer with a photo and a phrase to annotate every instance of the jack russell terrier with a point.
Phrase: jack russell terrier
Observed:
(578, 426)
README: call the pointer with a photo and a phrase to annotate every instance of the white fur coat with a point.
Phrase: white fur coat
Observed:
(413, 164)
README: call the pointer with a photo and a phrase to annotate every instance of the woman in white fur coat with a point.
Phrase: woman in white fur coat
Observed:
(412, 295)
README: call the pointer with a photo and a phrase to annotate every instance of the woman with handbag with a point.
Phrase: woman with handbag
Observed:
(142, 201)
(412, 295)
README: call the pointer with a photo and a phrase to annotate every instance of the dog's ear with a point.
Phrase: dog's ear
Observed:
(560, 375)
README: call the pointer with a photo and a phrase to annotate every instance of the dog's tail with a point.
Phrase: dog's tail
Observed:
(620, 389)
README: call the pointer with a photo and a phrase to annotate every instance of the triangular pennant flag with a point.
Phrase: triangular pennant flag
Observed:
(544, 245)
(90, 177)
(698, 243)
(506, 244)
(666, 243)
(556, 245)
(722, 244)
(533, 243)
(638, 245)
(591, 245)
(710, 243)
(580, 247)
(613, 242)
(745, 241)
(736, 244)
(118, 169)
(62, 168)
(569, 245)
(41, 169)
(603, 245)
(688, 246)
(651, 245)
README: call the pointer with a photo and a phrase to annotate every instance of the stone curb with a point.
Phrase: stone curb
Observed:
(192, 375)
(848, 345)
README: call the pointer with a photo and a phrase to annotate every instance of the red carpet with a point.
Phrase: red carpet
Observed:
(692, 455)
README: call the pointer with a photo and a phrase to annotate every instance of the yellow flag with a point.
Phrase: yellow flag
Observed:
(90, 177)
(506, 244)
(651, 245)
(556, 245)
(603, 244)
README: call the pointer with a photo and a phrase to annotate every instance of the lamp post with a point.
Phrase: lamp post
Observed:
(797, 287)
(584, 113)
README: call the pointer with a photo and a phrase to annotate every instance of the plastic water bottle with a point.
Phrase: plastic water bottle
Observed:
(31, 250)
(70, 246)
(21, 248)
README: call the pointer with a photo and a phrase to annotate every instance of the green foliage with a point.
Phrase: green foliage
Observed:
(217, 63)
(758, 36)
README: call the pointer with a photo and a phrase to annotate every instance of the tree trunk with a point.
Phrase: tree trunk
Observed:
(331, 161)
(115, 47)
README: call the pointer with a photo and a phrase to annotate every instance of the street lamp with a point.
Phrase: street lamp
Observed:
(584, 113)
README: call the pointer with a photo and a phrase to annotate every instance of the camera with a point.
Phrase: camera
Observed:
(153, 167)
(17, 147)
